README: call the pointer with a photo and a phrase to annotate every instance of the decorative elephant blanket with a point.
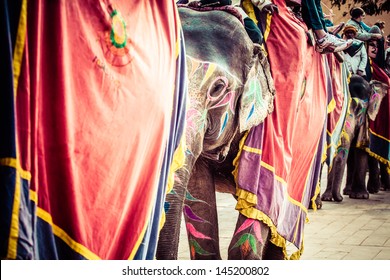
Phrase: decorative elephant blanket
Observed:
(89, 122)
(337, 87)
(379, 130)
(279, 165)
(197, 6)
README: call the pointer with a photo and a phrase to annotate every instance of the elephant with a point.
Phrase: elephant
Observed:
(379, 178)
(230, 90)
(365, 103)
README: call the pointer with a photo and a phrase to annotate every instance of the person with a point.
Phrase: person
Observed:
(251, 27)
(357, 16)
(326, 42)
(372, 51)
(356, 55)
(330, 26)
(381, 24)
(246, 8)
(387, 62)
(314, 18)
(265, 6)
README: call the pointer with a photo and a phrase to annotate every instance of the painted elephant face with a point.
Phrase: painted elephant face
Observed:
(220, 103)
(378, 92)
(230, 84)
(211, 108)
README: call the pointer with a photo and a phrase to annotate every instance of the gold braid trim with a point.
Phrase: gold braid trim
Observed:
(316, 193)
(379, 158)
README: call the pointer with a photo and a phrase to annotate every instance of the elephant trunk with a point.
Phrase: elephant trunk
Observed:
(168, 242)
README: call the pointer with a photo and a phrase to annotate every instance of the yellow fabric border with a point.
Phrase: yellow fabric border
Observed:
(298, 203)
(379, 136)
(19, 45)
(33, 196)
(60, 233)
(272, 169)
(14, 230)
(252, 150)
(267, 26)
(246, 202)
(177, 163)
(254, 213)
(237, 158)
(316, 193)
(379, 158)
(331, 106)
(11, 162)
(14, 163)
(249, 9)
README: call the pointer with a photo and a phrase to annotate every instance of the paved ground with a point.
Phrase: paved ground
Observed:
(350, 230)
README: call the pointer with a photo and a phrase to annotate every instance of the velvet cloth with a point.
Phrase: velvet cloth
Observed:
(379, 130)
(279, 165)
(92, 122)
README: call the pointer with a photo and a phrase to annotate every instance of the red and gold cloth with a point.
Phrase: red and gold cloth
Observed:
(93, 111)
(279, 164)
(379, 130)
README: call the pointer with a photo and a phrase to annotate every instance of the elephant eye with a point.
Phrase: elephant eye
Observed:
(217, 88)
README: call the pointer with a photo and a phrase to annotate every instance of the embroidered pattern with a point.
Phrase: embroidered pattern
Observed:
(115, 42)
(248, 241)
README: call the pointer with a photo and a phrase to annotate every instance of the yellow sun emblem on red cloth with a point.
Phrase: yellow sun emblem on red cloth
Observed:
(118, 34)
(116, 44)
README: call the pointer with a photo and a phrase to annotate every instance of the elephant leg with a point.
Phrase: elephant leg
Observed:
(358, 190)
(327, 195)
(335, 176)
(373, 183)
(350, 170)
(249, 239)
(273, 252)
(385, 177)
(200, 214)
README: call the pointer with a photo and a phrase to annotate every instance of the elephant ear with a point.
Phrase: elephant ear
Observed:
(378, 92)
(259, 91)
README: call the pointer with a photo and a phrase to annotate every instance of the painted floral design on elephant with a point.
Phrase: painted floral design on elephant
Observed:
(250, 237)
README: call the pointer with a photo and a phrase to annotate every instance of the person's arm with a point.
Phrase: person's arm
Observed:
(265, 6)
(361, 35)
(361, 70)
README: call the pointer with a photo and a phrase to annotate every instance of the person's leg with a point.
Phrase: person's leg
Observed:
(253, 31)
(314, 19)
(312, 15)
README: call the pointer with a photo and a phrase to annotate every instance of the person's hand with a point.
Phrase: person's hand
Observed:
(270, 9)
(360, 73)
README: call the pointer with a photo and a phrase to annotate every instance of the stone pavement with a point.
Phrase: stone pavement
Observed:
(350, 230)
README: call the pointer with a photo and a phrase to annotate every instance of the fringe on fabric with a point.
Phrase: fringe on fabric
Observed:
(316, 193)
(245, 205)
(379, 158)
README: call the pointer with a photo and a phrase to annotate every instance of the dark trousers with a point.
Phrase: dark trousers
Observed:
(312, 14)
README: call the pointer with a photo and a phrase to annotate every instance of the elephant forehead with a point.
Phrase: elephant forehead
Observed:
(203, 73)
